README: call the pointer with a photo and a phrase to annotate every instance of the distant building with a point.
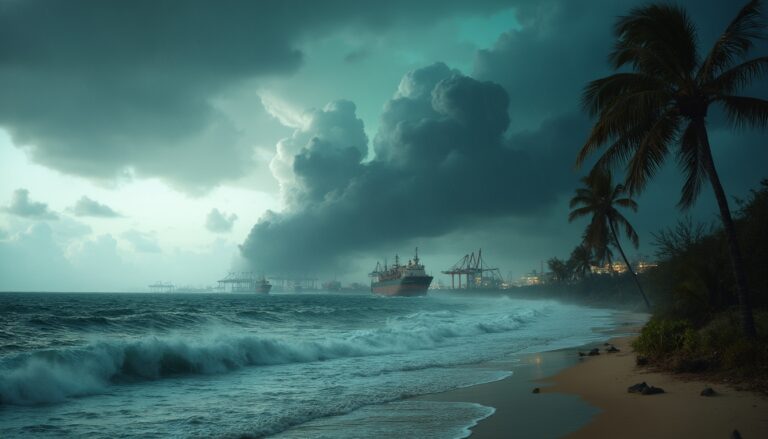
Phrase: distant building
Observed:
(640, 266)
(643, 266)
(532, 278)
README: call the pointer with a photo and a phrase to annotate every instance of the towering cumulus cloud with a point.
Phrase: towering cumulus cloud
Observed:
(441, 160)
(103, 89)
(322, 155)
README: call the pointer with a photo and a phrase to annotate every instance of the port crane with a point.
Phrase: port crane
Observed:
(478, 273)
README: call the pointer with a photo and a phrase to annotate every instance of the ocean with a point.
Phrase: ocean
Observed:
(238, 365)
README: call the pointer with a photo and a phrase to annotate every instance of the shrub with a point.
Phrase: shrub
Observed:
(662, 336)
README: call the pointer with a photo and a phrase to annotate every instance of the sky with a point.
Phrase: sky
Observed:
(176, 141)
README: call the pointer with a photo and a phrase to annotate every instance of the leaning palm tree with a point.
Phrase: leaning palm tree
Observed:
(600, 198)
(659, 104)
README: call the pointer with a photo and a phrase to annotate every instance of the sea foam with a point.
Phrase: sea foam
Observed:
(56, 374)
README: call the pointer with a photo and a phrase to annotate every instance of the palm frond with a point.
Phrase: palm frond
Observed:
(578, 213)
(627, 202)
(579, 201)
(601, 93)
(690, 160)
(623, 118)
(659, 40)
(735, 42)
(745, 111)
(738, 77)
(629, 231)
(651, 152)
(620, 151)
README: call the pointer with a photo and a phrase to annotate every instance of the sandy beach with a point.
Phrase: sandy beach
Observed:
(680, 412)
(586, 397)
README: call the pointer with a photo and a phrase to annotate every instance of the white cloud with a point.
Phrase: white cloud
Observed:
(88, 207)
(219, 222)
(22, 206)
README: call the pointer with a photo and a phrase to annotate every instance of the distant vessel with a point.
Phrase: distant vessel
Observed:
(400, 280)
(245, 282)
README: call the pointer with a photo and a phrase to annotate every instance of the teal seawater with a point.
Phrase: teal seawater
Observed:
(228, 365)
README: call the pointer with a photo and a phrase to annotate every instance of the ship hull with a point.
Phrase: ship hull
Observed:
(408, 286)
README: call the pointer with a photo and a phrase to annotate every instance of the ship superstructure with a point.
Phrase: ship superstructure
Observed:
(400, 279)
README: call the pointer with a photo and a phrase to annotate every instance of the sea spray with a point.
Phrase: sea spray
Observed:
(53, 375)
(234, 365)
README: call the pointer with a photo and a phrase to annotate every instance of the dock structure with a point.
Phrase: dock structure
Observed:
(477, 273)
(240, 282)
(160, 287)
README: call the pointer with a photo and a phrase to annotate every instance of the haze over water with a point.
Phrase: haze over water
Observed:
(138, 365)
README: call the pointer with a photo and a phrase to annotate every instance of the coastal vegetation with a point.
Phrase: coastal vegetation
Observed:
(601, 199)
(696, 326)
(709, 286)
(657, 105)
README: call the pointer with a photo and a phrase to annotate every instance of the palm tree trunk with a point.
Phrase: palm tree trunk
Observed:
(629, 267)
(737, 263)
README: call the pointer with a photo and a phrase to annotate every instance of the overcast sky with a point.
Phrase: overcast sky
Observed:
(174, 141)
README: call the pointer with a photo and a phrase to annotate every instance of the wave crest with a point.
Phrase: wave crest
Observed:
(55, 375)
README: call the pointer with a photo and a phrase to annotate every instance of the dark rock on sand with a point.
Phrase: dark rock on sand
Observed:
(594, 352)
(650, 390)
(637, 388)
(581, 354)
(536, 390)
(735, 434)
(708, 392)
(612, 349)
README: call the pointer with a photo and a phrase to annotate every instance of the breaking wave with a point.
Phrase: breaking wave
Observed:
(57, 374)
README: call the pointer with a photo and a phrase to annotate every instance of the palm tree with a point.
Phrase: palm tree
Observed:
(660, 102)
(560, 270)
(580, 261)
(600, 198)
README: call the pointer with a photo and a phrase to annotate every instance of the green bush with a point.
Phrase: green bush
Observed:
(719, 346)
(723, 341)
(661, 336)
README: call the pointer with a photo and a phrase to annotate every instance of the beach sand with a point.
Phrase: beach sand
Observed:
(520, 413)
(586, 397)
(681, 412)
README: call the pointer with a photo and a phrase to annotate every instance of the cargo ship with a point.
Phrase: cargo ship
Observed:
(400, 280)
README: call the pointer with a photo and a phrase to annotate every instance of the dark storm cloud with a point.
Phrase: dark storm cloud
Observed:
(448, 158)
(21, 205)
(219, 222)
(442, 161)
(563, 45)
(88, 207)
(99, 88)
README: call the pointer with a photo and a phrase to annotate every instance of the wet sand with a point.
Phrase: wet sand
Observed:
(681, 412)
(519, 412)
(586, 397)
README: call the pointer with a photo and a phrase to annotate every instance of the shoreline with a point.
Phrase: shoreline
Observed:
(586, 397)
(681, 411)
(518, 411)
